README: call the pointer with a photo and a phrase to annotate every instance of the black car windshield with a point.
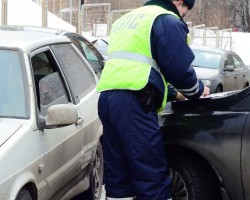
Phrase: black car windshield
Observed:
(12, 91)
(205, 59)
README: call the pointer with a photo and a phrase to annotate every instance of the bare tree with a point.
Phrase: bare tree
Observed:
(221, 13)
(197, 15)
(212, 13)
(241, 8)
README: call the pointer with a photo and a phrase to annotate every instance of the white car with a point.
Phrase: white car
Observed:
(49, 127)
(89, 51)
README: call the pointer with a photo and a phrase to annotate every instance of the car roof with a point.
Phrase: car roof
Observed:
(47, 30)
(28, 40)
(209, 49)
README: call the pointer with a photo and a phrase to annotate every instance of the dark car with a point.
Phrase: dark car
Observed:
(207, 143)
(219, 69)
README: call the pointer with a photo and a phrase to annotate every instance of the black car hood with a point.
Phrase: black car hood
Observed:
(231, 101)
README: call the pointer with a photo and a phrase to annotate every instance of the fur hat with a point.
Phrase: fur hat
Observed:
(189, 3)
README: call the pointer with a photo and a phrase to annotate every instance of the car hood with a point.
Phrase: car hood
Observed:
(7, 128)
(205, 73)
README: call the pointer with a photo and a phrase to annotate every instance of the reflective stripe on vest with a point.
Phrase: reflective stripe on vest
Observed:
(135, 57)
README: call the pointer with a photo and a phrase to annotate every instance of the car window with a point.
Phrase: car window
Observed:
(237, 62)
(77, 43)
(93, 56)
(13, 101)
(86, 48)
(89, 51)
(41, 64)
(206, 59)
(52, 92)
(50, 88)
(228, 60)
(80, 77)
(102, 47)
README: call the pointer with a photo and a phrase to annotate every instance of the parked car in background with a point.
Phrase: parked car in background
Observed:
(207, 143)
(49, 131)
(220, 70)
(89, 51)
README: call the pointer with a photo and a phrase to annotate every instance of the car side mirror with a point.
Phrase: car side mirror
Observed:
(59, 115)
(229, 68)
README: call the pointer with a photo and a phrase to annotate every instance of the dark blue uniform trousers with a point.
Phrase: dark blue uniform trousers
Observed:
(134, 158)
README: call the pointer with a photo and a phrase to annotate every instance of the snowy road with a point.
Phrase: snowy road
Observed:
(103, 194)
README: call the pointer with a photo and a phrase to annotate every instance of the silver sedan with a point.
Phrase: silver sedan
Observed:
(49, 127)
(220, 70)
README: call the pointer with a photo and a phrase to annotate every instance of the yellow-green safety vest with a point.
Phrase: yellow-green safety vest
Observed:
(129, 54)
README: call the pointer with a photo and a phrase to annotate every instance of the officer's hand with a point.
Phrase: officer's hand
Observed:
(206, 91)
(180, 97)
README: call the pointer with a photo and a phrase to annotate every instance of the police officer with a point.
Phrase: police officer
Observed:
(147, 50)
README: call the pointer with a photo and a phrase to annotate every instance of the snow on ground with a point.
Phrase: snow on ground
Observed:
(241, 45)
(103, 194)
(27, 12)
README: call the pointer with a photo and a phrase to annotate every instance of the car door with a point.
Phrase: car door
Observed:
(82, 82)
(228, 75)
(241, 72)
(62, 145)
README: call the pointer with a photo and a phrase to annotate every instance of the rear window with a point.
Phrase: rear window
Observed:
(80, 78)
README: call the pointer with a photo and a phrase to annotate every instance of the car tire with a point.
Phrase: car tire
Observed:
(96, 177)
(192, 179)
(24, 194)
(218, 89)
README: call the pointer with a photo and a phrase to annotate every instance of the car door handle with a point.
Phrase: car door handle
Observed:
(79, 121)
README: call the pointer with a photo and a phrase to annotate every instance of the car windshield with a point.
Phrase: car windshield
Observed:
(205, 59)
(12, 90)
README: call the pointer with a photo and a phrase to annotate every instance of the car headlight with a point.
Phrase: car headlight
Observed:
(206, 82)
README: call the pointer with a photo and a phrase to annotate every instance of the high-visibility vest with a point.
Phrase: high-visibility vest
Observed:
(129, 54)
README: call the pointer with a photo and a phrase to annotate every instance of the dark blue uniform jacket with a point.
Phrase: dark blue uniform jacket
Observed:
(173, 55)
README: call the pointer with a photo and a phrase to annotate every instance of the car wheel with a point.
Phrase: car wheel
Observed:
(218, 89)
(24, 194)
(192, 179)
(96, 177)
